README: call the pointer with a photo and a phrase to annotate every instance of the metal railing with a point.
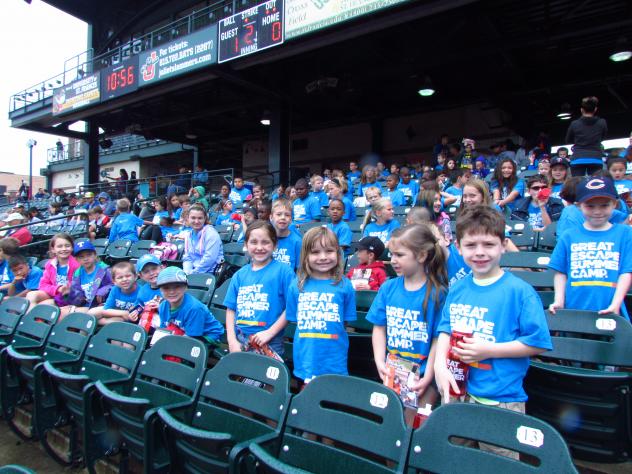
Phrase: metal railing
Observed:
(58, 155)
(196, 20)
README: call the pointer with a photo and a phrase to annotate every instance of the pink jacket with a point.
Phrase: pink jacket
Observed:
(48, 283)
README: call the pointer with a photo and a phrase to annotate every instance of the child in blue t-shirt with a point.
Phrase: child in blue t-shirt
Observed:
(288, 248)
(454, 194)
(122, 298)
(559, 173)
(395, 195)
(305, 208)
(182, 314)
(407, 309)
(226, 216)
(503, 313)
(160, 206)
(385, 224)
(318, 193)
(593, 264)
(8, 249)
(256, 296)
(238, 193)
(320, 301)
(25, 278)
(125, 225)
(408, 186)
(617, 168)
(338, 226)
(506, 187)
(337, 190)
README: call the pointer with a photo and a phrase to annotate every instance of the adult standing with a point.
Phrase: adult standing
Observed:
(587, 133)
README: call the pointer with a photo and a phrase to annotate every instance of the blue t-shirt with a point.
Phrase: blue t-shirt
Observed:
(592, 262)
(147, 293)
(572, 218)
(258, 298)
(397, 197)
(5, 272)
(159, 215)
(224, 219)
(353, 175)
(343, 233)
(320, 312)
(86, 280)
(321, 197)
(288, 250)
(119, 300)
(457, 193)
(192, 317)
(623, 185)
(505, 191)
(62, 275)
(409, 331)
(556, 189)
(305, 210)
(457, 268)
(164, 230)
(411, 189)
(382, 232)
(363, 187)
(350, 213)
(177, 213)
(238, 196)
(507, 310)
(124, 227)
(535, 216)
(31, 282)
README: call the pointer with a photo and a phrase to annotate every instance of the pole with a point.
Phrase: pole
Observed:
(31, 143)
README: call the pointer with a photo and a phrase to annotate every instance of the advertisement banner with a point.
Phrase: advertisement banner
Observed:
(77, 94)
(178, 57)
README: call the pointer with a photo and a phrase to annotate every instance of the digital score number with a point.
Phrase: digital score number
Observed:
(251, 30)
(119, 80)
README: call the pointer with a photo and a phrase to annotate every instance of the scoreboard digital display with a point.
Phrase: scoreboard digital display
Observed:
(119, 79)
(251, 30)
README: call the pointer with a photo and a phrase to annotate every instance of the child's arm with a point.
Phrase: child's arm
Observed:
(442, 374)
(559, 285)
(233, 343)
(513, 195)
(264, 337)
(379, 349)
(623, 285)
(448, 198)
(473, 350)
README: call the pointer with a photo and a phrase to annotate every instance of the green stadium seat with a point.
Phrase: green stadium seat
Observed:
(34, 328)
(101, 246)
(360, 358)
(338, 424)
(531, 260)
(169, 374)
(112, 355)
(244, 398)
(15, 469)
(364, 299)
(19, 365)
(548, 238)
(42, 263)
(140, 248)
(310, 225)
(433, 449)
(118, 251)
(234, 248)
(356, 226)
(538, 280)
(525, 240)
(225, 232)
(201, 286)
(11, 311)
(400, 210)
(583, 386)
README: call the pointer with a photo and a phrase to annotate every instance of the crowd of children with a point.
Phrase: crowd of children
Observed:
(447, 276)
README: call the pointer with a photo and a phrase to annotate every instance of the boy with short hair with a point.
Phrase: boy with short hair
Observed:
(370, 273)
(238, 193)
(25, 277)
(288, 248)
(264, 210)
(593, 264)
(353, 173)
(305, 208)
(454, 193)
(122, 297)
(392, 192)
(539, 213)
(408, 186)
(318, 193)
(182, 314)
(503, 313)
(125, 225)
(8, 248)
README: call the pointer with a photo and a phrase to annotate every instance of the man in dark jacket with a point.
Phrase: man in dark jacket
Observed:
(587, 133)
(538, 209)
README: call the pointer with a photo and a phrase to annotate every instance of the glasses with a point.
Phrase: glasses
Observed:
(537, 188)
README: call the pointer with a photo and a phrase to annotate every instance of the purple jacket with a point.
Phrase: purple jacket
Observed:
(103, 282)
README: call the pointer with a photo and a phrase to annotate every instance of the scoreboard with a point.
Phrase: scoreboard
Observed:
(119, 79)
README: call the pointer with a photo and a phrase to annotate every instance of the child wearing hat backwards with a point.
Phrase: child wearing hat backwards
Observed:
(370, 274)
(180, 313)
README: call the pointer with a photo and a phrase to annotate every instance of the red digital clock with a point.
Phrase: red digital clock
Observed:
(119, 79)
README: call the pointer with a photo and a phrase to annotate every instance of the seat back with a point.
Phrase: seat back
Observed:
(225, 232)
(548, 238)
(364, 299)
(100, 245)
(69, 337)
(35, 326)
(217, 302)
(338, 420)
(233, 248)
(531, 260)
(434, 449)
(538, 280)
(119, 248)
(310, 225)
(356, 226)
(140, 248)
(11, 310)
(80, 228)
(201, 286)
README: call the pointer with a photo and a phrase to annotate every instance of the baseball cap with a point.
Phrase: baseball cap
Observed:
(171, 275)
(558, 160)
(145, 259)
(15, 216)
(89, 194)
(83, 246)
(596, 187)
(372, 244)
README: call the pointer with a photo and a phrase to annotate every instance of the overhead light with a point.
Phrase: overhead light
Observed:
(265, 118)
(565, 111)
(190, 136)
(426, 89)
(565, 117)
(621, 51)
(620, 56)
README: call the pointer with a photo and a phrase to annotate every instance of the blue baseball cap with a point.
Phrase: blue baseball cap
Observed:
(145, 259)
(171, 275)
(84, 245)
(596, 187)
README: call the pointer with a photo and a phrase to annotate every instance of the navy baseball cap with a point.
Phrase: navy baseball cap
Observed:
(83, 246)
(372, 244)
(145, 259)
(171, 275)
(558, 160)
(596, 187)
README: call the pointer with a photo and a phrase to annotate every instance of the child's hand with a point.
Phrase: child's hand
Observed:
(234, 346)
(362, 286)
(554, 306)
(99, 299)
(133, 316)
(381, 369)
(445, 379)
(152, 305)
(64, 290)
(262, 337)
(473, 350)
(420, 385)
(612, 309)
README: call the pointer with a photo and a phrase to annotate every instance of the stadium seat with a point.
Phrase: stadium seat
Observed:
(42, 263)
(201, 286)
(234, 248)
(81, 228)
(338, 424)
(83, 239)
(225, 232)
(538, 280)
(19, 365)
(548, 238)
(100, 246)
(38, 232)
(355, 226)
(15, 469)
(360, 359)
(433, 449)
(243, 398)
(53, 228)
(34, 327)
(232, 263)
(400, 210)
(140, 248)
(582, 387)
(310, 225)
(11, 311)
(531, 260)
(169, 374)
(217, 304)
(525, 240)
(118, 251)
(364, 299)
(32, 261)
(178, 261)
(112, 355)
